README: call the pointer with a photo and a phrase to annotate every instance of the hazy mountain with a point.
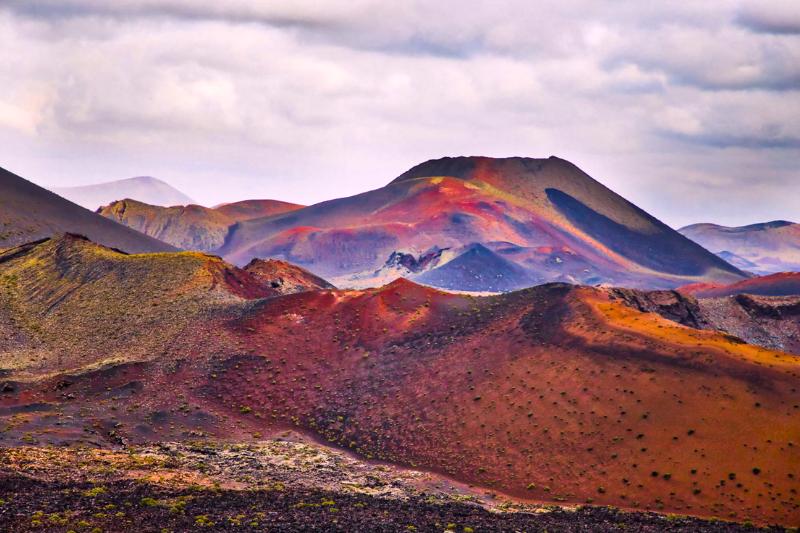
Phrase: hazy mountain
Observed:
(143, 188)
(763, 248)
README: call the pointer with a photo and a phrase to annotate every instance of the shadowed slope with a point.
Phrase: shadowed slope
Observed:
(191, 227)
(29, 212)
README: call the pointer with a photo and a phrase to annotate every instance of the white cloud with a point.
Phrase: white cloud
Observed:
(309, 100)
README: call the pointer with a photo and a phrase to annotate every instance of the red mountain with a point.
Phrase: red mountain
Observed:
(555, 221)
(284, 278)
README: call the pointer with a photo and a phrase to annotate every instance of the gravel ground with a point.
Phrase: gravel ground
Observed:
(274, 486)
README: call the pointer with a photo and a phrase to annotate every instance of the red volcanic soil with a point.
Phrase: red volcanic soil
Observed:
(556, 393)
(250, 209)
(781, 284)
(281, 277)
(552, 394)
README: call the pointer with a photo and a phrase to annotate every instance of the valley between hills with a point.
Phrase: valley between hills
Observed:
(161, 388)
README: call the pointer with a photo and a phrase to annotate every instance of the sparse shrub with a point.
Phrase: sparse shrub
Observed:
(96, 491)
(203, 521)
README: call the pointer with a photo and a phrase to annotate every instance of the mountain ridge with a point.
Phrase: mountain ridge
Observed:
(29, 212)
(771, 247)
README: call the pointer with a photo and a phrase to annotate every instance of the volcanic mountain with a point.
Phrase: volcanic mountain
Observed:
(143, 188)
(552, 219)
(29, 212)
(556, 393)
(764, 248)
(191, 227)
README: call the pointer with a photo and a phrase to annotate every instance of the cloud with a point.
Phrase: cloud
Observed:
(777, 17)
(307, 100)
(299, 12)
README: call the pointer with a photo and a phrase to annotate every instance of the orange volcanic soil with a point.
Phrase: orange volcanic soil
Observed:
(556, 393)
(781, 284)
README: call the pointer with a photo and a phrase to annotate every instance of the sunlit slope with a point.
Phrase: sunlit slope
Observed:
(191, 227)
(67, 303)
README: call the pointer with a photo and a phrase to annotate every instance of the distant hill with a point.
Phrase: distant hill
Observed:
(545, 215)
(477, 269)
(191, 227)
(143, 188)
(29, 212)
(763, 248)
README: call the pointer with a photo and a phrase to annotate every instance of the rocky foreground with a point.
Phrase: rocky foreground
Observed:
(276, 485)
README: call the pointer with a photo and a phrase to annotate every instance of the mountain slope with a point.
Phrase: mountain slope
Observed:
(556, 393)
(191, 227)
(29, 212)
(143, 188)
(547, 207)
(68, 300)
(769, 247)
(781, 284)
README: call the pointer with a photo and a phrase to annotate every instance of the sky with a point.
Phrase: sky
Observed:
(690, 109)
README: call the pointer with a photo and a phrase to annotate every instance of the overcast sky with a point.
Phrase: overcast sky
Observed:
(691, 109)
